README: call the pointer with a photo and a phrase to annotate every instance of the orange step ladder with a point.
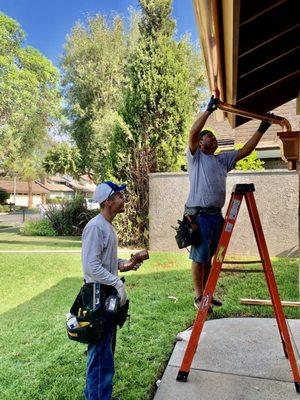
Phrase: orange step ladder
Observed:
(240, 191)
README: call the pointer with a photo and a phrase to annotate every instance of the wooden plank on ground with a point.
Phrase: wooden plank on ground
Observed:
(259, 302)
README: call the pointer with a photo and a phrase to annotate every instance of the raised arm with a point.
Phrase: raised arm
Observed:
(199, 124)
(253, 141)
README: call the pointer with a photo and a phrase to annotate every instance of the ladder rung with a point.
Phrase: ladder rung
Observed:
(243, 262)
(240, 270)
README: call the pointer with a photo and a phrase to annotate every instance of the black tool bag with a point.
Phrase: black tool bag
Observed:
(91, 300)
(91, 325)
(187, 232)
(119, 316)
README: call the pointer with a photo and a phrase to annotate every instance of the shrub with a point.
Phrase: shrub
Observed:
(251, 162)
(70, 217)
(4, 208)
(40, 227)
(125, 225)
(4, 196)
(55, 200)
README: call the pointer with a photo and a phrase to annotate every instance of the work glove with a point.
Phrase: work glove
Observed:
(264, 125)
(122, 293)
(212, 105)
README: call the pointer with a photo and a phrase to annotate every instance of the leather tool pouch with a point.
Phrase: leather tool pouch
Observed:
(187, 232)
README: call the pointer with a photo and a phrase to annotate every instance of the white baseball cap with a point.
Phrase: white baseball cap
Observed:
(105, 190)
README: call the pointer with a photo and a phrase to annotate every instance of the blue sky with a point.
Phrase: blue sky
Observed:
(47, 22)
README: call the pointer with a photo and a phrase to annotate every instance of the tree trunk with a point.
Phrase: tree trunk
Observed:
(30, 197)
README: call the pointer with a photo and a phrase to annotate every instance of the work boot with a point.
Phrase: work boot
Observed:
(216, 302)
(197, 301)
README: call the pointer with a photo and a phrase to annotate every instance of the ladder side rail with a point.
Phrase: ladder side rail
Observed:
(271, 282)
(230, 219)
(264, 255)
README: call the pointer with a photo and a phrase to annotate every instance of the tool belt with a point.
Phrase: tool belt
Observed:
(90, 308)
(195, 211)
(187, 232)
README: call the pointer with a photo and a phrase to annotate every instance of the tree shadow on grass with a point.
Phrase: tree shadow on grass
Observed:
(29, 243)
(10, 229)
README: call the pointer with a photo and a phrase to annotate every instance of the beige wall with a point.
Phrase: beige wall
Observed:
(277, 194)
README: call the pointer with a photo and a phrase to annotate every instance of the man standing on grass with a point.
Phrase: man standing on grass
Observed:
(100, 264)
(207, 175)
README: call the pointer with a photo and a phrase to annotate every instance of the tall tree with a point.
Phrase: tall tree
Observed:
(29, 99)
(64, 159)
(162, 94)
(94, 63)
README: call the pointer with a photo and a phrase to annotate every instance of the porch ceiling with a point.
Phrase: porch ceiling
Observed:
(252, 52)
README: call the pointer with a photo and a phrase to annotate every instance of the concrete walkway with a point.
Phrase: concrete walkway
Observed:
(237, 359)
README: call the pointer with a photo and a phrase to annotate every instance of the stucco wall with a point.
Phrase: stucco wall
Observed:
(276, 194)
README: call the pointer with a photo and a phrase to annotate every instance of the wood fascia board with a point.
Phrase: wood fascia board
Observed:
(230, 21)
(207, 15)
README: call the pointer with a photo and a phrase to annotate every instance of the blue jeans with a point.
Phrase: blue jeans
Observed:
(210, 229)
(100, 366)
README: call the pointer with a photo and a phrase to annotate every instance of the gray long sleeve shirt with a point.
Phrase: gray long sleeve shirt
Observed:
(99, 252)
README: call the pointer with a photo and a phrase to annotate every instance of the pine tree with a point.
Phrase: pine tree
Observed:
(163, 90)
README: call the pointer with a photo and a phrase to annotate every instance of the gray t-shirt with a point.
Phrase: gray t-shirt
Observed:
(99, 252)
(207, 175)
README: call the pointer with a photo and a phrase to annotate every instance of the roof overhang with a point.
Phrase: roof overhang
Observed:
(251, 51)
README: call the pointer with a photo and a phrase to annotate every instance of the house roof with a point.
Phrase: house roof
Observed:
(54, 187)
(252, 52)
(86, 178)
(60, 184)
(21, 187)
(78, 186)
(72, 183)
(56, 179)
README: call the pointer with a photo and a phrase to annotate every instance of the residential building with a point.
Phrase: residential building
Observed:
(57, 188)
(19, 192)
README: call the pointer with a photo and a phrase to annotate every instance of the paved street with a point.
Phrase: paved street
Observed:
(16, 218)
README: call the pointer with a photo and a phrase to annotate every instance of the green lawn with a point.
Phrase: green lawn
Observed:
(38, 362)
(10, 239)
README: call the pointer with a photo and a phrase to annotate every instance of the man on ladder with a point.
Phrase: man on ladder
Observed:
(207, 196)
(207, 175)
